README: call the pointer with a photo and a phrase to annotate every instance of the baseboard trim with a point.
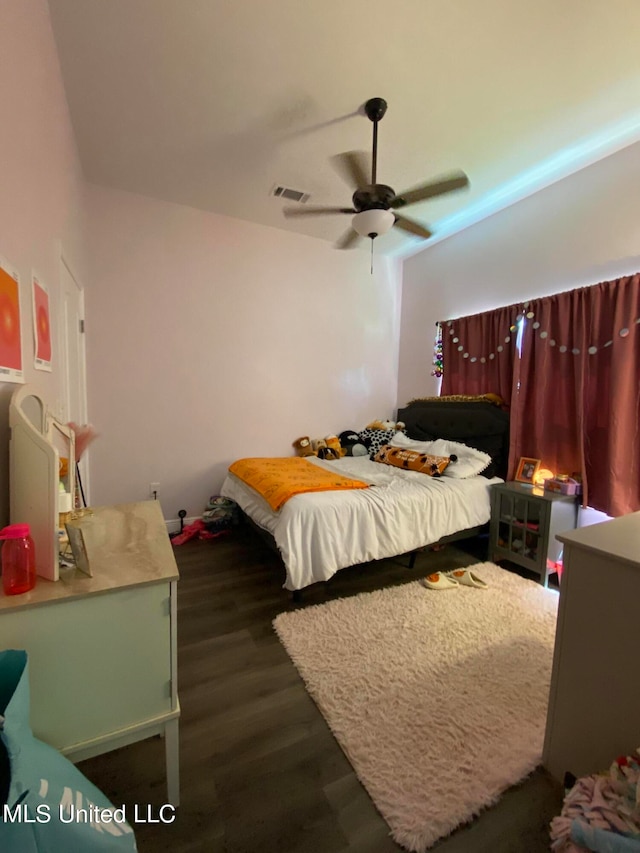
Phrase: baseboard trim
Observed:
(173, 524)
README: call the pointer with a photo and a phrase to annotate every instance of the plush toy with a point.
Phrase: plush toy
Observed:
(334, 443)
(376, 434)
(302, 447)
(351, 443)
(328, 453)
(317, 444)
(378, 424)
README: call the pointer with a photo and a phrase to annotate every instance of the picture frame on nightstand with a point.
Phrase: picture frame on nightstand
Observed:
(78, 548)
(527, 470)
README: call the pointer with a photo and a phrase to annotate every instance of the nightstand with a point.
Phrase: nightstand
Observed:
(524, 522)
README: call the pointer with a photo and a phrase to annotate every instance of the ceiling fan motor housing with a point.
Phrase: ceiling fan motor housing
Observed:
(377, 196)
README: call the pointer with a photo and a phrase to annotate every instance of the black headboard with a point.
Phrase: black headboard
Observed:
(478, 424)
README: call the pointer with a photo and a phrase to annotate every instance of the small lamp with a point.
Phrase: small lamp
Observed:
(372, 223)
(543, 474)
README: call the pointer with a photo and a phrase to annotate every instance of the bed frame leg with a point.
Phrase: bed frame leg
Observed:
(412, 559)
(296, 596)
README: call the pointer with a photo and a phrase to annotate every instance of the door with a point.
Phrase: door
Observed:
(74, 374)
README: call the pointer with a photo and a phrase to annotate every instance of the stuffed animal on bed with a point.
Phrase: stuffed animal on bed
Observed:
(302, 446)
(351, 443)
(334, 443)
(328, 453)
(394, 425)
(378, 433)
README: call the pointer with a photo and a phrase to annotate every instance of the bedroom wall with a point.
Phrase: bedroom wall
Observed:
(41, 199)
(211, 338)
(579, 231)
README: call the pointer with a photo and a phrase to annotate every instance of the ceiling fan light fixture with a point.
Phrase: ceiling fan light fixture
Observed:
(373, 223)
(372, 203)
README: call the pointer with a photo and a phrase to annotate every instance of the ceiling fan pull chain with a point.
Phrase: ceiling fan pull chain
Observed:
(372, 257)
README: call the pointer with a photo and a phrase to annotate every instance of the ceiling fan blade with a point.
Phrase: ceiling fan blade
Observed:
(354, 167)
(454, 181)
(412, 226)
(348, 239)
(315, 211)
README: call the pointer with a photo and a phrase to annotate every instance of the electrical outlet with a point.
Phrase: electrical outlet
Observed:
(154, 491)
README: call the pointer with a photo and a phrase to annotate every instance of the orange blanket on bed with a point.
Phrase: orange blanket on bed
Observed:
(279, 479)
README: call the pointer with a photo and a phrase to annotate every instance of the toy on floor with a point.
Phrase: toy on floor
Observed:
(197, 530)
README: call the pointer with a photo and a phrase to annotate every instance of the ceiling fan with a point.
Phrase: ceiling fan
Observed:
(374, 204)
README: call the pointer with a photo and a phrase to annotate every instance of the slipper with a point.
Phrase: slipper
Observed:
(466, 577)
(439, 580)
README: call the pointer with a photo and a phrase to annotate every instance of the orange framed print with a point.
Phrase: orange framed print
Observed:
(527, 470)
(10, 325)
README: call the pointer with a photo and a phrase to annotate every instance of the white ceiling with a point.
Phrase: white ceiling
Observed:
(210, 103)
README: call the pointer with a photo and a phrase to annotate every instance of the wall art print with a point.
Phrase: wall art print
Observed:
(10, 328)
(41, 324)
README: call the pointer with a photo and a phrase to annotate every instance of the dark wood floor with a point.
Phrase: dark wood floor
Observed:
(260, 769)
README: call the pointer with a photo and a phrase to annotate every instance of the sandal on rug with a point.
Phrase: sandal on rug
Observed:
(466, 577)
(439, 580)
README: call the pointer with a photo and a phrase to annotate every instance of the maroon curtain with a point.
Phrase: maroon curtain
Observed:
(576, 406)
(479, 353)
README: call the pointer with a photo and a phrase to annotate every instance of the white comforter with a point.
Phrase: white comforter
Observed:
(319, 533)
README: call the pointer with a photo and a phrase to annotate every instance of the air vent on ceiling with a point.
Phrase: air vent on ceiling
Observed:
(290, 195)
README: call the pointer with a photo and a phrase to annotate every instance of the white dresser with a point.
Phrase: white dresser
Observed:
(594, 701)
(102, 649)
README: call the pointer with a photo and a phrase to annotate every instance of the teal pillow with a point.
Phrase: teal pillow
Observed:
(50, 806)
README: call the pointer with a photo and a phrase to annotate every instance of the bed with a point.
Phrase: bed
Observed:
(402, 511)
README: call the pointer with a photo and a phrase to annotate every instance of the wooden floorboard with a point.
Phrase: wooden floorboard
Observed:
(260, 770)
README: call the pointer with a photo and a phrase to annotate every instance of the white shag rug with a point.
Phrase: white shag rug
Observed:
(437, 697)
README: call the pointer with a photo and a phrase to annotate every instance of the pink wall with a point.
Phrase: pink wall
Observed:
(579, 231)
(40, 177)
(210, 338)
